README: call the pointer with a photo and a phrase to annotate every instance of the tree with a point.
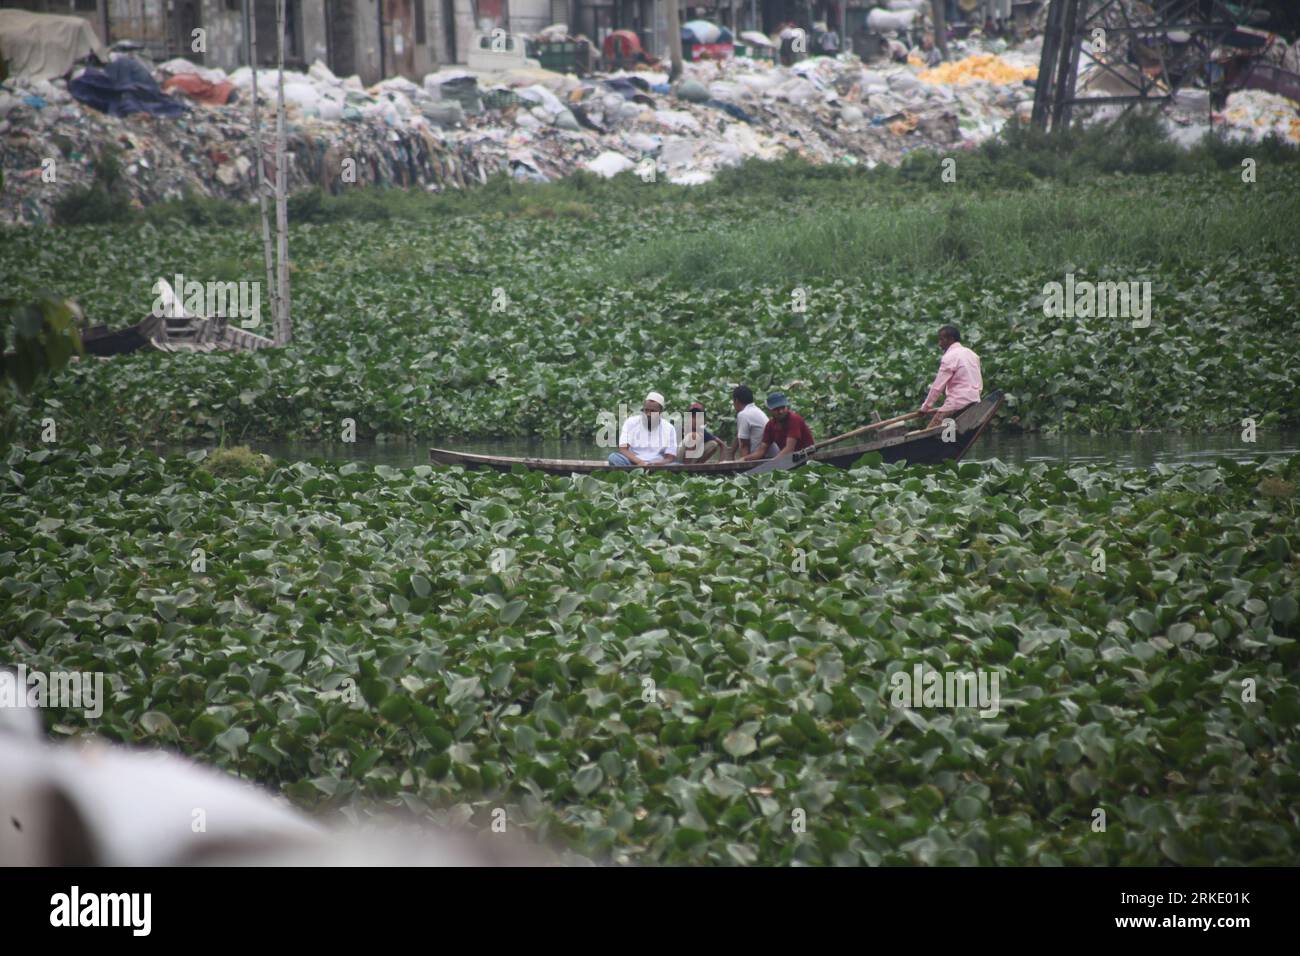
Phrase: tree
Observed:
(45, 337)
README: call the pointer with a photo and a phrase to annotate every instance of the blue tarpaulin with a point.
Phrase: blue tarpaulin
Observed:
(124, 86)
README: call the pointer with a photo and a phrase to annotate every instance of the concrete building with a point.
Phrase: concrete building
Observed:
(373, 38)
(378, 38)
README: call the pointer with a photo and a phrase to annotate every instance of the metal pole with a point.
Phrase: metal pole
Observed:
(1068, 64)
(1047, 64)
(940, 27)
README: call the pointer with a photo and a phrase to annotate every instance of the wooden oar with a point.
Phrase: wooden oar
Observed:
(874, 426)
(784, 462)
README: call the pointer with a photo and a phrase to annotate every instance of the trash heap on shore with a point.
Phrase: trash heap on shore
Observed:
(457, 128)
(191, 133)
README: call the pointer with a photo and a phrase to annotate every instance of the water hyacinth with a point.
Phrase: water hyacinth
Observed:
(674, 669)
(501, 327)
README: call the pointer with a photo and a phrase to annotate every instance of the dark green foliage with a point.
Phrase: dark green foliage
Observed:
(664, 669)
(395, 329)
(104, 201)
(37, 338)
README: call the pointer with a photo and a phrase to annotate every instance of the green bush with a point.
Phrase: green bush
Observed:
(236, 462)
(197, 210)
(103, 201)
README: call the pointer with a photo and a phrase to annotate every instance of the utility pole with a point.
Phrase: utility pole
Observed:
(940, 27)
(674, 41)
(263, 187)
(284, 327)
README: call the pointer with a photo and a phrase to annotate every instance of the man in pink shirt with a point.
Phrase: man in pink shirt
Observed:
(958, 379)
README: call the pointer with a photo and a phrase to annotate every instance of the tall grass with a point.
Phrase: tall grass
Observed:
(1124, 222)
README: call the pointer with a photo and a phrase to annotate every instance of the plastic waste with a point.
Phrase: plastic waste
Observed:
(444, 132)
(693, 91)
(444, 113)
(609, 164)
(890, 21)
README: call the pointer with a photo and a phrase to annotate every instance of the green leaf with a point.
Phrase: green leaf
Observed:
(510, 613)
(587, 779)
(205, 728)
(967, 808)
(739, 744)
(232, 740)
(1283, 609)
(395, 708)
(158, 724)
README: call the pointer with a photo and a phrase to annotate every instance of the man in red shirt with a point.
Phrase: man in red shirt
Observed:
(786, 430)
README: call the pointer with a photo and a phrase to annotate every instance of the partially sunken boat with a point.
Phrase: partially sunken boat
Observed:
(921, 446)
(177, 329)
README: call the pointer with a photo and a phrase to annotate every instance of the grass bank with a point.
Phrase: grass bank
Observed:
(1123, 223)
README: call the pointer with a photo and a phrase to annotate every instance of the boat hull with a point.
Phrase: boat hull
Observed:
(921, 446)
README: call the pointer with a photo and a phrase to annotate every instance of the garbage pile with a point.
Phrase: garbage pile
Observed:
(1254, 114)
(457, 128)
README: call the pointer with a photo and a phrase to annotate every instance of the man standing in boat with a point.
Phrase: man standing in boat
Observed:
(786, 431)
(646, 438)
(959, 378)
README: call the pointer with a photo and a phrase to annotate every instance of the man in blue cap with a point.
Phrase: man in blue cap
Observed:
(786, 430)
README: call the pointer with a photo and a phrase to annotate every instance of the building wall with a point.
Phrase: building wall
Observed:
(365, 30)
(89, 10)
(312, 23)
(427, 54)
(396, 51)
(529, 16)
(225, 35)
(464, 15)
(162, 26)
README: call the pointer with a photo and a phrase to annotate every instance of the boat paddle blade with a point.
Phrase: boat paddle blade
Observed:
(781, 463)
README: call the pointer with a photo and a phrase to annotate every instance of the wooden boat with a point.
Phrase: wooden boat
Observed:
(177, 329)
(920, 446)
(166, 334)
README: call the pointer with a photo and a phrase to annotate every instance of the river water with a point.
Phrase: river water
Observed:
(1127, 450)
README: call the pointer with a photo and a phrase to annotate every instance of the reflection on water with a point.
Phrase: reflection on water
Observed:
(1124, 450)
(1132, 450)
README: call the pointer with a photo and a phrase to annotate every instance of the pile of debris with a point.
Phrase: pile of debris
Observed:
(457, 128)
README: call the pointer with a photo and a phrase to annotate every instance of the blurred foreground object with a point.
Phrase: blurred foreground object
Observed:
(102, 804)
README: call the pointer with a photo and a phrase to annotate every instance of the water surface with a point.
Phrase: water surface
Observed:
(1126, 450)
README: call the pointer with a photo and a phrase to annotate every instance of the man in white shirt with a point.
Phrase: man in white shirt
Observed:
(750, 423)
(646, 438)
